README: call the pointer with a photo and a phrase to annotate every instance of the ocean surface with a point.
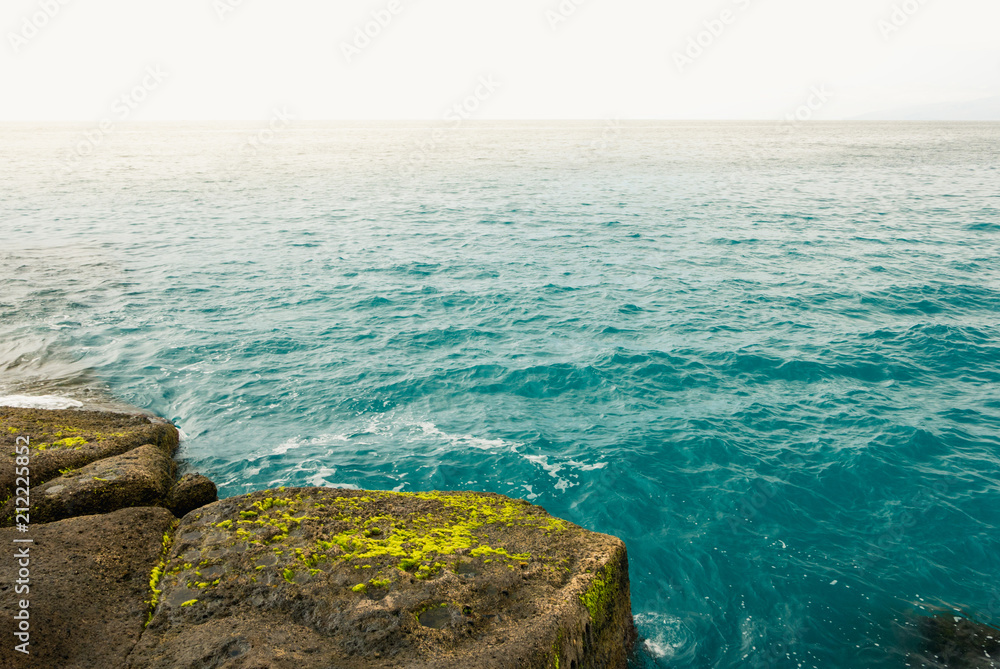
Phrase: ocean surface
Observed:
(766, 356)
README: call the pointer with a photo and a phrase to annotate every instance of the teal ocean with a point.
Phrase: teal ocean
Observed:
(766, 356)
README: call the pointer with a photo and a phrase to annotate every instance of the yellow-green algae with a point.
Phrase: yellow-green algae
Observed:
(66, 437)
(417, 542)
(600, 596)
(157, 574)
(557, 650)
(68, 442)
(45, 436)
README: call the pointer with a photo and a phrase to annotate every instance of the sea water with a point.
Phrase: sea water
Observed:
(766, 356)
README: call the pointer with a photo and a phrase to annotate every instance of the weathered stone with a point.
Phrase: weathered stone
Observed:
(89, 582)
(191, 492)
(957, 643)
(140, 477)
(71, 439)
(298, 578)
(316, 578)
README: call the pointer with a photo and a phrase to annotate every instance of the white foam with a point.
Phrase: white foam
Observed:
(39, 402)
(296, 442)
(319, 478)
(467, 440)
(341, 486)
(553, 470)
(327, 439)
(431, 430)
(669, 635)
(585, 467)
(659, 650)
(287, 445)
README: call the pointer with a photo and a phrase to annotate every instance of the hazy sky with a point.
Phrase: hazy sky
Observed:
(506, 59)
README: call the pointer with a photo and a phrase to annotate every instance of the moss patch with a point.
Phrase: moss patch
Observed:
(158, 571)
(454, 523)
(437, 570)
(600, 596)
(390, 535)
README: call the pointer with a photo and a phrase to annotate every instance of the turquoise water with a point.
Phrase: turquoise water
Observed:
(766, 357)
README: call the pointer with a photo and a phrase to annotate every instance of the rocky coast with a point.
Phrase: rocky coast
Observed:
(125, 564)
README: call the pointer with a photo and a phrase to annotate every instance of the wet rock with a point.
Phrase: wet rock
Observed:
(140, 477)
(71, 439)
(191, 492)
(318, 578)
(89, 582)
(955, 642)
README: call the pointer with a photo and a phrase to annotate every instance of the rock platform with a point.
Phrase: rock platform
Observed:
(131, 567)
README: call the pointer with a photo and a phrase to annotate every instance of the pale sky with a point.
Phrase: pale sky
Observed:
(73, 60)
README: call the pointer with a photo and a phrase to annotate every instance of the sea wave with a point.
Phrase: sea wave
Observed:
(39, 402)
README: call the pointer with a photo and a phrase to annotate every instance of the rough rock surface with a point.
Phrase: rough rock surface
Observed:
(89, 582)
(191, 492)
(303, 578)
(140, 477)
(72, 439)
(323, 578)
(957, 643)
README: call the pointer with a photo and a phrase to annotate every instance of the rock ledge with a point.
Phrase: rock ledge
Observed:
(299, 577)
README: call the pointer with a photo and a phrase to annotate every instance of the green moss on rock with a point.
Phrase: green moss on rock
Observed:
(157, 574)
(72, 439)
(375, 577)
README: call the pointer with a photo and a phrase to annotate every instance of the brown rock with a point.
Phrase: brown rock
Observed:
(315, 578)
(192, 492)
(955, 642)
(71, 439)
(140, 477)
(89, 582)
